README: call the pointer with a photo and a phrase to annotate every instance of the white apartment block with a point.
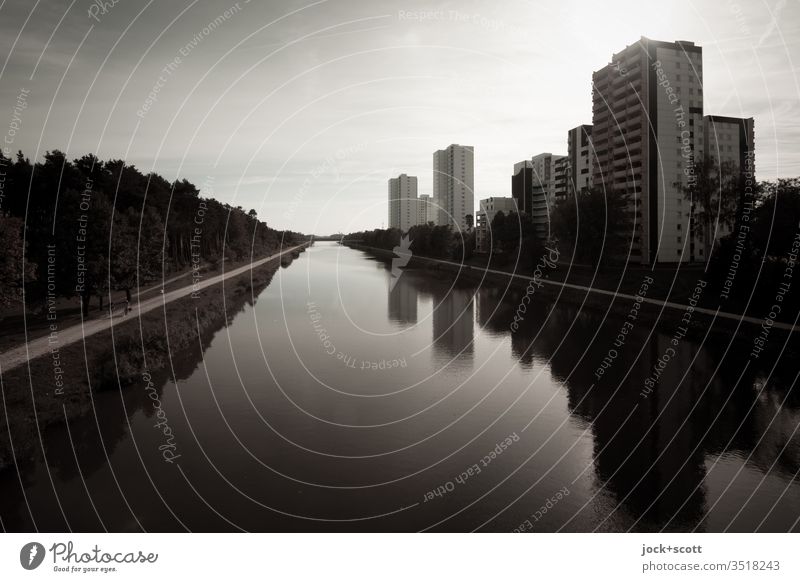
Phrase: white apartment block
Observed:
(545, 175)
(729, 141)
(489, 207)
(403, 202)
(561, 181)
(647, 128)
(540, 212)
(536, 185)
(426, 211)
(522, 184)
(579, 160)
(454, 185)
(548, 177)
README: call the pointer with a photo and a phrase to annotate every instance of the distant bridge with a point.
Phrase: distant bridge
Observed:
(337, 238)
(333, 237)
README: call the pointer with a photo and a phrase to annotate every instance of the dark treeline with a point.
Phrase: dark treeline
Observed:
(751, 269)
(507, 234)
(513, 240)
(92, 226)
(426, 240)
(593, 227)
(754, 268)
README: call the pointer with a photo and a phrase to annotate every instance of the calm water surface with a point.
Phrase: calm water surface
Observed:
(331, 403)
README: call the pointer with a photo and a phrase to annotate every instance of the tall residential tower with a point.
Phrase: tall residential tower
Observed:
(647, 127)
(403, 202)
(580, 156)
(426, 211)
(454, 185)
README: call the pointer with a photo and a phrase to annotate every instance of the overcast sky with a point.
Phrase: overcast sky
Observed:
(304, 110)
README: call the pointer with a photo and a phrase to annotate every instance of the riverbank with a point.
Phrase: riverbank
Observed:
(59, 385)
(19, 327)
(642, 287)
(61, 336)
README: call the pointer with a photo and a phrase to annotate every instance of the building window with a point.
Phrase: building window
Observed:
(679, 228)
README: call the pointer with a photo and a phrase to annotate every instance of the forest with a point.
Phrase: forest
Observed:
(85, 227)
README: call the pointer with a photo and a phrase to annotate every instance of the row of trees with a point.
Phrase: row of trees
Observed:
(593, 227)
(598, 226)
(513, 239)
(86, 226)
(429, 240)
(443, 242)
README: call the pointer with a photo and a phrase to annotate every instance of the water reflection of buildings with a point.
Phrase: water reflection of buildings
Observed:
(490, 309)
(453, 323)
(496, 308)
(651, 453)
(646, 449)
(453, 312)
(403, 301)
